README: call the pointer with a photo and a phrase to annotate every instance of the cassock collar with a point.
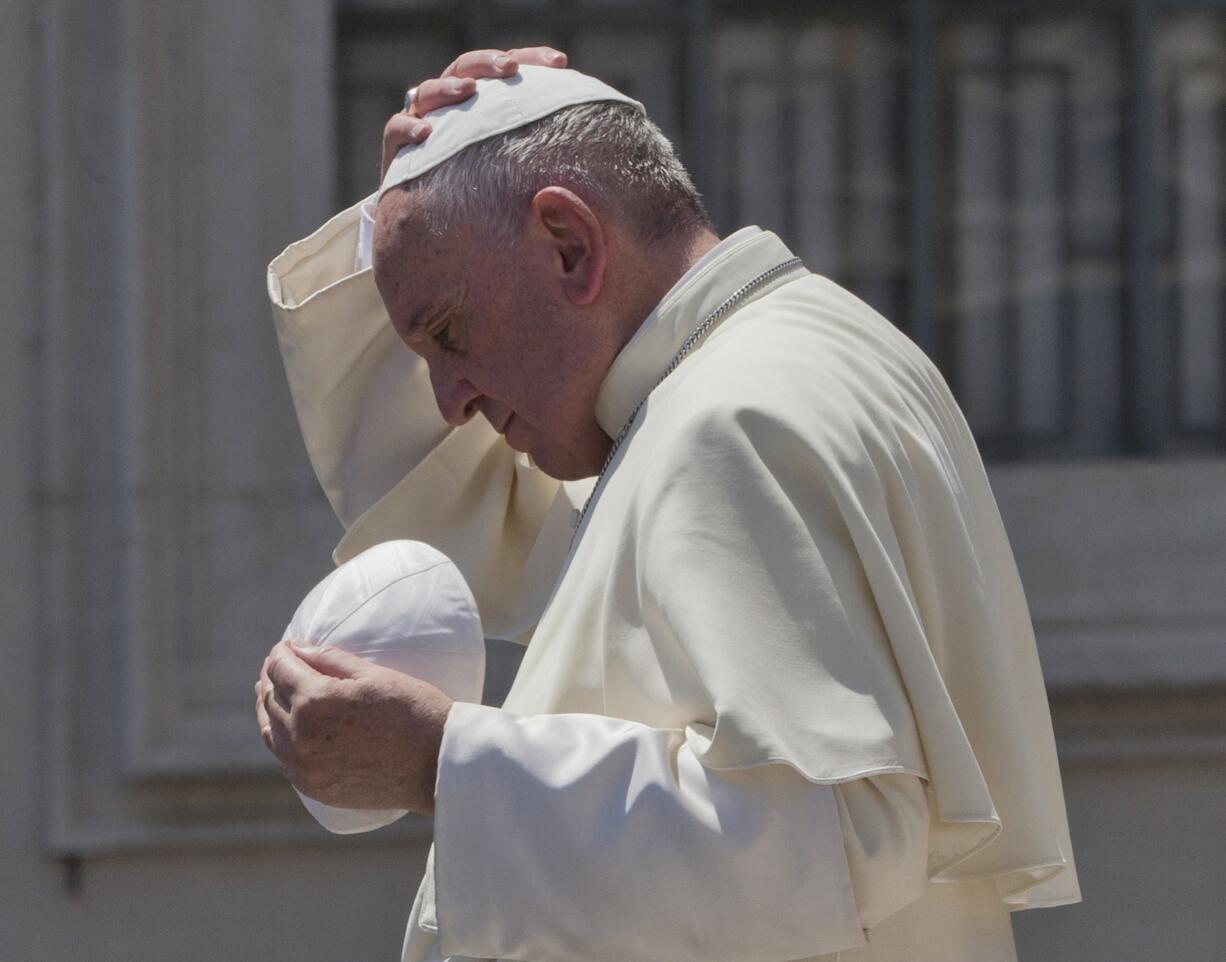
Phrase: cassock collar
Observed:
(732, 263)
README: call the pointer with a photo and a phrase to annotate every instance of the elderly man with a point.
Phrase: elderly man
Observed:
(781, 698)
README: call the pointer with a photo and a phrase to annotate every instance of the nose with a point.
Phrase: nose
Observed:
(456, 398)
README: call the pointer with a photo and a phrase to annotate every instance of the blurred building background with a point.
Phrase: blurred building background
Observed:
(1034, 191)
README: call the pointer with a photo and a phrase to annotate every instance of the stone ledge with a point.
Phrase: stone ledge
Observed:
(1155, 726)
(1132, 656)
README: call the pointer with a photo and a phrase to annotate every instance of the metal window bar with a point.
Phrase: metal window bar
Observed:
(1149, 413)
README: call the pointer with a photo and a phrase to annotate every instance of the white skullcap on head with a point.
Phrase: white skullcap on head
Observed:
(498, 105)
(402, 605)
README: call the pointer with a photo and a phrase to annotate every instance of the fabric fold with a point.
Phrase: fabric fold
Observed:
(389, 464)
(363, 399)
(809, 569)
(565, 837)
(895, 639)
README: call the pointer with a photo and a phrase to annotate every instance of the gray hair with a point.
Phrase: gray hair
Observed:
(607, 153)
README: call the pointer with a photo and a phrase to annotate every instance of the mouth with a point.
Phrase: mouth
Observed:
(505, 428)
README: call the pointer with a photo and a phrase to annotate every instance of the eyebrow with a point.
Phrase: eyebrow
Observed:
(434, 312)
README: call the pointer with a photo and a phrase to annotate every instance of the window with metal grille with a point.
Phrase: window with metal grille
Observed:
(1035, 192)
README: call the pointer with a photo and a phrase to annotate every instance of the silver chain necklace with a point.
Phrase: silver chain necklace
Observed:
(687, 346)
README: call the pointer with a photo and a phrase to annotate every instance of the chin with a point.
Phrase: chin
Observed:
(564, 469)
(566, 465)
(563, 462)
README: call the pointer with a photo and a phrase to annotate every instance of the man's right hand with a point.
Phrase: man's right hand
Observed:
(456, 84)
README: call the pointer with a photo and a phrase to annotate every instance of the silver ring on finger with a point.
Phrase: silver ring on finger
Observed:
(410, 99)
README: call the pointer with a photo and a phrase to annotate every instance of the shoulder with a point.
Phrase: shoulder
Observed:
(776, 366)
(806, 381)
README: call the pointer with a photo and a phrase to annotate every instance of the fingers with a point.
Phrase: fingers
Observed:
(261, 715)
(499, 63)
(293, 700)
(401, 131)
(333, 661)
(272, 705)
(482, 63)
(457, 83)
(287, 673)
(274, 715)
(540, 56)
(273, 718)
(405, 128)
(278, 715)
(443, 92)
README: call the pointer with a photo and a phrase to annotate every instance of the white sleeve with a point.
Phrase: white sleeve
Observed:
(580, 836)
(389, 464)
(364, 256)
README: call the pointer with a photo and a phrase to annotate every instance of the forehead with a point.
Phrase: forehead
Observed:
(417, 272)
(401, 232)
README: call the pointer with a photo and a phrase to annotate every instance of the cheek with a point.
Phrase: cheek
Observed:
(540, 358)
(517, 371)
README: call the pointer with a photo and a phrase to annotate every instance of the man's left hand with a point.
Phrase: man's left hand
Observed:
(349, 733)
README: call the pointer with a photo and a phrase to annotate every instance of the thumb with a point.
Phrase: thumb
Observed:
(335, 662)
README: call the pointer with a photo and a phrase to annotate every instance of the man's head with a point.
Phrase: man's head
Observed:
(520, 267)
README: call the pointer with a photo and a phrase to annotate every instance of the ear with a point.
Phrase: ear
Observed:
(579, 245)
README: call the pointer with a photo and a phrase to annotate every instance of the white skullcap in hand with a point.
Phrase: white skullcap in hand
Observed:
(402, 605)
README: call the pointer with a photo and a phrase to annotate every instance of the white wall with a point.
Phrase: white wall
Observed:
(202, 864)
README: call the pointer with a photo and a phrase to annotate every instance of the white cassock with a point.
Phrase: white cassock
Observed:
(782, 698)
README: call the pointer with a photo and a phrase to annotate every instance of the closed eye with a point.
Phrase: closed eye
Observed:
(443, 323)
(444, 337)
